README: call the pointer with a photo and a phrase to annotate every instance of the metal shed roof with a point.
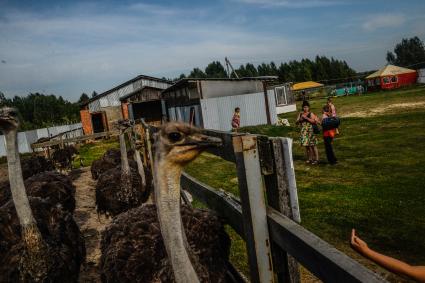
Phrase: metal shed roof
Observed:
(124, 84)
(136, 92)
(186, 81)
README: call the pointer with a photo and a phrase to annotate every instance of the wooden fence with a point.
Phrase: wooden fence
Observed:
(267, 215)
(61, 139)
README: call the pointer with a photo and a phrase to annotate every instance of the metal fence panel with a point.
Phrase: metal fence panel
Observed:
(217, 112)
(25, 139)
(421, 76)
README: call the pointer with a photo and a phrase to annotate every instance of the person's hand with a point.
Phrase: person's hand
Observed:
(358, 244)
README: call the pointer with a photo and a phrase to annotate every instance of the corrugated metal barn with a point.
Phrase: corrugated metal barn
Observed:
(144, 103)
(209, 103)
(101, 112)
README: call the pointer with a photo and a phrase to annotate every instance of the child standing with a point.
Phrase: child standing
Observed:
(236, 119)
(328, 137)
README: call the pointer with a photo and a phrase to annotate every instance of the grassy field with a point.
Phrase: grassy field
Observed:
(92, 151)
(377, 188)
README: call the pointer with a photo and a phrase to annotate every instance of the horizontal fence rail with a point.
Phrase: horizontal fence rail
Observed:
(72, 140)
(320, 258)
(27, 138)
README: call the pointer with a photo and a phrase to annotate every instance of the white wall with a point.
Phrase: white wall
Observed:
(421, 76)
(217, 112)
(25, 139)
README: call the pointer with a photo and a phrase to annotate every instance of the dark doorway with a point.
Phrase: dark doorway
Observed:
(151, 111)
(97, 122)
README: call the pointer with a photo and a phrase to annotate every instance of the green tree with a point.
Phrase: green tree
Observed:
(409, 52)
(197, 73)
(83, 98)
(215, 70)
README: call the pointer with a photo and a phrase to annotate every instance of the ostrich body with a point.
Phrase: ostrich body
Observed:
(52, 186)
(148, 243)
(133, 249)
(33, 258)
(109, 160)
(121, 188)
(63, 157)
(34, 165)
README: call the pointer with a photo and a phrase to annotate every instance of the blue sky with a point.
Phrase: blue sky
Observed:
(70, 47)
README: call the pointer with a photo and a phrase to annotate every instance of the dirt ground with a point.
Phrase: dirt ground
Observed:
(91, 224)
(385, 109)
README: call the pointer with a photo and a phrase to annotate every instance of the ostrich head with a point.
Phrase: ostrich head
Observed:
(9, 119)
(181, 143)
(176, 145)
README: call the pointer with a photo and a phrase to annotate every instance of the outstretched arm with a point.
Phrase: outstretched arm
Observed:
(396, 266)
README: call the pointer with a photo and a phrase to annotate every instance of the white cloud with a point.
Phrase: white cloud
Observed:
(293, 3)
(379, 21)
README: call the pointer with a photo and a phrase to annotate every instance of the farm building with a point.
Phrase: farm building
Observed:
(390, 77)
(209, 103)
(421, 76)
(101, 112)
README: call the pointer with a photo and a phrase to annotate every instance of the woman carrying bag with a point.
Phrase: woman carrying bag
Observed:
(309, 129)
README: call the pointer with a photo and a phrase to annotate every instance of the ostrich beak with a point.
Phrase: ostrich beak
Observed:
(203, 141)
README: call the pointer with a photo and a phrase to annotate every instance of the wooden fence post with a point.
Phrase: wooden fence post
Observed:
(290, 179)
(278, 197)
(252, 192)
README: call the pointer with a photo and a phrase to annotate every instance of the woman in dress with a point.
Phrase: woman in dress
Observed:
(307, 137)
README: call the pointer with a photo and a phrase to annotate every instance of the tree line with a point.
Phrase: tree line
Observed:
(320, 69)
(38, 110)
(410, 52)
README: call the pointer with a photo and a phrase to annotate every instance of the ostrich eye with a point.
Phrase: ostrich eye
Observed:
(174, 137)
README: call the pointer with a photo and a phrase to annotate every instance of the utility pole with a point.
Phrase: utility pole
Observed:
(227, 66)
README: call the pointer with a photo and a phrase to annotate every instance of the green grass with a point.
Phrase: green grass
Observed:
(377, 188)
(92, 151)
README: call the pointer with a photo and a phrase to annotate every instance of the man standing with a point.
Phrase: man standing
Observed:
(328, 137)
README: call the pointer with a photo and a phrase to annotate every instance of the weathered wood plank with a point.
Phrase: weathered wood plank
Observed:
(323, 260)
(285, 266)
(226, 150)
(290, 180)
(252, 192)
(320, 258)
(75, 139)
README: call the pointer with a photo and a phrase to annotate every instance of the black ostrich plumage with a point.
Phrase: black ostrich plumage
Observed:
(63, 157)
(52, 186)
(59, 231)
(109, 192)
(133, 249)
(34, 165)
(109, 160)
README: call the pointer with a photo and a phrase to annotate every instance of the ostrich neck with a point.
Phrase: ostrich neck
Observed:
(140, 166)
(125, 167)
(16, 180)
(167, 197)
